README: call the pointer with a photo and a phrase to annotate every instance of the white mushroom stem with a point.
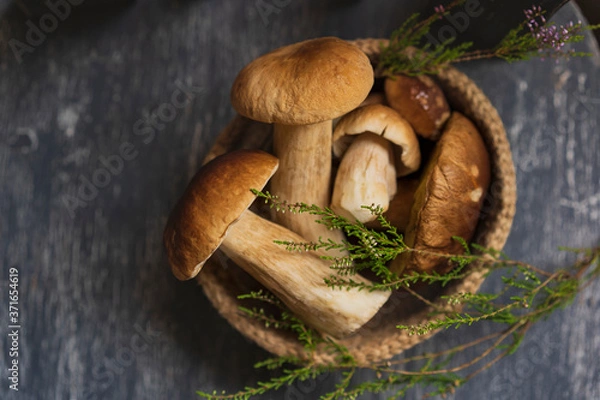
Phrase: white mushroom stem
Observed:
(366, 176)
(304, 175)
(297, 278)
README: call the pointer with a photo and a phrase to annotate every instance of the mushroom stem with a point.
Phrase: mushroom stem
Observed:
(304, 175)
(366, 176)
(297, 278)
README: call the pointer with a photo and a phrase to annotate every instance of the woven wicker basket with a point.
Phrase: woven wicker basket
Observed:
(379, 339)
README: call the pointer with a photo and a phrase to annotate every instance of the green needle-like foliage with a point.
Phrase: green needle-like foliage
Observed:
(409, 53)
(529, 294)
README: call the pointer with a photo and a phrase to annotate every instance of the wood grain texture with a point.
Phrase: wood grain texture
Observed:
(102, 316)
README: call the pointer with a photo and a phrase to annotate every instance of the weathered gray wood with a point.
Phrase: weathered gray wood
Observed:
(102, 316)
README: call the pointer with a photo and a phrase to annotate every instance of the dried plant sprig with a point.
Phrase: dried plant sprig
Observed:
(407, 54)
(367, 247)
(529, 295)
(534, 37)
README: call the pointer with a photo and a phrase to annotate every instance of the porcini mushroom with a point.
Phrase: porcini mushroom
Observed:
(420, 100)
(386, 147)
(448, 199)
(212, 213)
(366, 176)
(301, 88)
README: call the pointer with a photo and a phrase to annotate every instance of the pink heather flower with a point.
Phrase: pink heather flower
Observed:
(549, 37)
(439, 9)
(532, 16)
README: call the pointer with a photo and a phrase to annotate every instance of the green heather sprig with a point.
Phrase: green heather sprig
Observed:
(367, 248)
(528, 296)
(409, 53)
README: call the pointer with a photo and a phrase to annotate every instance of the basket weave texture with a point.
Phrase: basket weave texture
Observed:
(379, 339)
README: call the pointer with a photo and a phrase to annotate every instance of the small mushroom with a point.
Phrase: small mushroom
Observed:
(365, 176)
(448, 199)
(421, 101)
(301, 88)
(212, 213)
(386, 147)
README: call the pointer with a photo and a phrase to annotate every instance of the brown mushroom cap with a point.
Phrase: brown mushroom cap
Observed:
(215, 198)
(421, 101)
(303, 83)
(380, 120)
(449, 197)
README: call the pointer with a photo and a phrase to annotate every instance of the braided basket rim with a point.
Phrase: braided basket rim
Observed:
(383, 340)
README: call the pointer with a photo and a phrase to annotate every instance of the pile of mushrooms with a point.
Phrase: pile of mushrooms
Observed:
(336, 143)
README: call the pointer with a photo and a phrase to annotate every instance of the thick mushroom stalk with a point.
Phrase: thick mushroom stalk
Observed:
(376, 146)
(214, 212)
(304, 175)
(366, 176)
(301, 88)
(297, 278)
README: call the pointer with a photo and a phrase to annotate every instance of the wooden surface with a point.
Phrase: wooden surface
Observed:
(103, 318)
